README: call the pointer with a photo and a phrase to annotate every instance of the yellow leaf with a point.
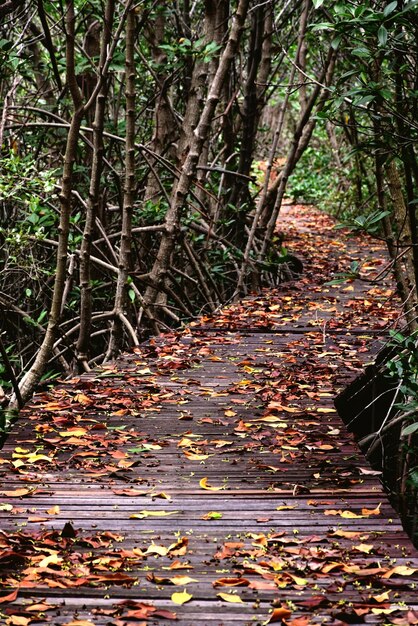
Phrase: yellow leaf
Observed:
(204, 484)
(160, 494)
(285, 508)
(183, 580)
(272, 419)
(144, 514)
(229, 597)
(400, 570)
(383, 597)
(364, 547)
(73, 432)
(30, 458)
(345, 514)
(297, 579)
(155, 549)
(325, 410)
(51, 559)
(181, 597)
(17, 493)
(54, 510)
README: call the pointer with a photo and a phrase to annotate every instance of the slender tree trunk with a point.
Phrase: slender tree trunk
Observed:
(120, 318)
(261, 204)
(32, 377)
(404, 243)
(192, 153)
(93, 202)
(300, 142)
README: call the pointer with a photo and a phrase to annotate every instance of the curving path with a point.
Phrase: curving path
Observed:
(206, 478)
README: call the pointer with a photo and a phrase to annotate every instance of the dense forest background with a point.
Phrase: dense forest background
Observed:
(146, 149)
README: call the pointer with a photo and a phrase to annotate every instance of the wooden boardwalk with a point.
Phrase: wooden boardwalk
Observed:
(211, 465)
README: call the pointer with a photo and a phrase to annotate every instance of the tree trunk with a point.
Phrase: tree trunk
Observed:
(32, 377)
(120, 318)
(94, 194)
(191, 153)
(404, 244)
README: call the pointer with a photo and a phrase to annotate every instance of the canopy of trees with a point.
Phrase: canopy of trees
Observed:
(146, 148)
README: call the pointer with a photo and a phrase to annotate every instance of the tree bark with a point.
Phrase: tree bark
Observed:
(120, 302)
(192, 150)
(404, 244)
(32, 377)
(92, 209)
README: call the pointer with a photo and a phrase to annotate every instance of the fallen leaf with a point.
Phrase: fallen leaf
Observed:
(364, 547)
(400, 570)
(73, 432)
(278, 615)
(375, 511)
(204, 485)
(345, 514)
(18, 493)
(18, 620)
(54, 510)
(212, 515)
(231, 582)
(229, 597)
(182, 580)
(181, 597)
(10, 597)
(144, 514)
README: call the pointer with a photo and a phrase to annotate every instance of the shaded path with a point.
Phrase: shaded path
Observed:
(213, 461)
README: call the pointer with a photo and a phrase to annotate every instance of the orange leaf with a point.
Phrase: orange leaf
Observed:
(279, 615)
(231, 582)
(375, 511)
(11, 597)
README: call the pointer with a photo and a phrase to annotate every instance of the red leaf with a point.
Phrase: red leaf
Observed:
(11, 597)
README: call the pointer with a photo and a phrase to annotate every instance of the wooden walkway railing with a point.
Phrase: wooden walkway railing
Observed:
(207, 477)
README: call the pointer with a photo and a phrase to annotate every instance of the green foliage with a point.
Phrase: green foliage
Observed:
(369, 223)
(404, 368)
(314, 180)
(28, 188)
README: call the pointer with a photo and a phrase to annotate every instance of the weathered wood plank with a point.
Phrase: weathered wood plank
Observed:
(244, 400)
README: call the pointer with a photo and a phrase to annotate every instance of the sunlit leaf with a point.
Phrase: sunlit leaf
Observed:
(181, 597)
(144, 514)
(212, 515)
(278, 615)
(204, 485)
(230, 597)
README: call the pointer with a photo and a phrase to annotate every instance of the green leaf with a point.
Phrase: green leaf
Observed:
(132, 295)
(390, 8)
(317, 3)
(408, 430)
(414, 477)
(382, 36)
